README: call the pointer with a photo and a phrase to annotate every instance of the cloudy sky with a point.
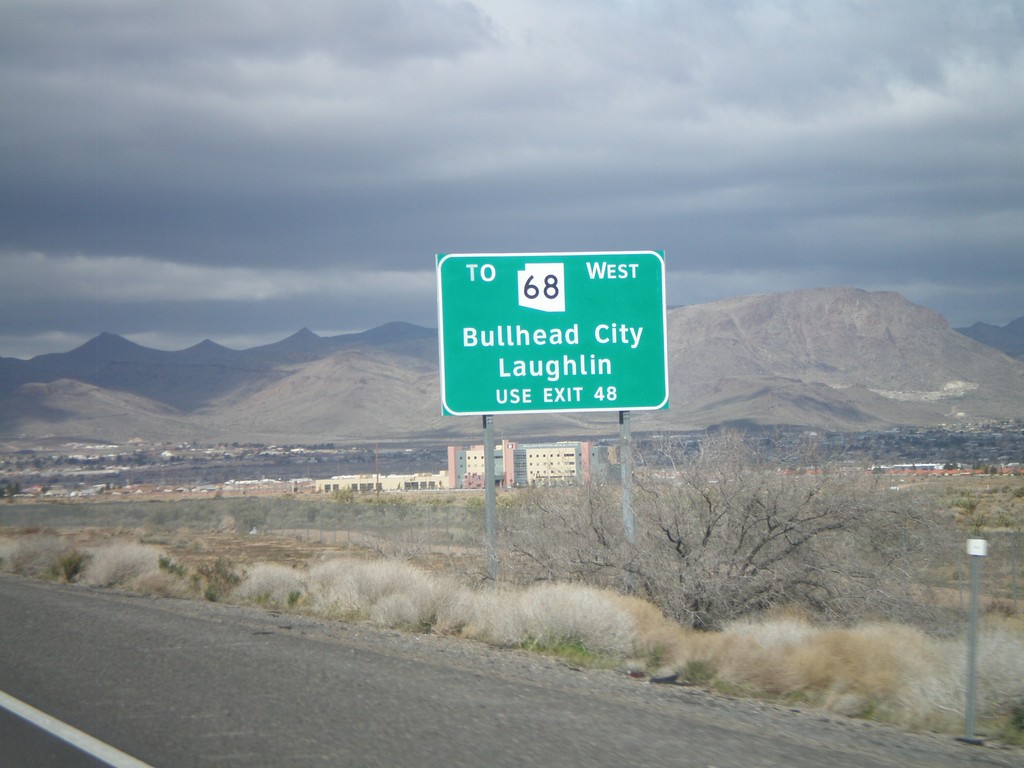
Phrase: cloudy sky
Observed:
(174, 171)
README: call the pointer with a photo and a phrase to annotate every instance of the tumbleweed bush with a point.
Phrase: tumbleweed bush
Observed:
(118, 564)
(33, 556)
(389, 592)
(554, 615)
(270, 584)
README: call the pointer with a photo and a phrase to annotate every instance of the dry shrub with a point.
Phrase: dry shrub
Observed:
(724, 534)
(328, 589)
(215, 578)
(878, 670)
(335, 587)
(550, 616)
(162, 583)
(889, 672)
(424, 606)
(7, 548)
(394, 593)
(69, 566)
(556, 615)
(389, 592)
(657, 638)
(491, 617)
(33, 556)
(1000, 664)
(375, 580)
(270, 584)
(119, 564)
(778, 628)
(901, 675)
(398, 610)
(458, 611)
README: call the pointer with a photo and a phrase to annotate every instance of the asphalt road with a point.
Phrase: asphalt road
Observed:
(178, 683)
(23, 744)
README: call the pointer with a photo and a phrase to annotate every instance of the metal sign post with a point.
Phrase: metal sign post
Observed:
(552, 333)
(626, 466)
(489, 500)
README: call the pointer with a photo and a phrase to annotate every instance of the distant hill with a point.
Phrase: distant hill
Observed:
(74, 409)
(831, 358)
(1007, 338)
(837, 357)
(190, 378)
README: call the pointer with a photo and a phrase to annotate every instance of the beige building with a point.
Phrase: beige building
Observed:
(417, 481)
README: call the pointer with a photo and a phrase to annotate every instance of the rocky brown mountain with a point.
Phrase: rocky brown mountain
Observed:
(839, 357)
(831, 358)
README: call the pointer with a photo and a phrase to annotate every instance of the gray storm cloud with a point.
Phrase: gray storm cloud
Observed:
(238, 158)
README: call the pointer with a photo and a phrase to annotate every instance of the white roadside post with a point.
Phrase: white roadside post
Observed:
(976, 549)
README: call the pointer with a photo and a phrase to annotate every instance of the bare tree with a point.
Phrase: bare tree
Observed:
(724, 535)
(565, 534)
(721, 534)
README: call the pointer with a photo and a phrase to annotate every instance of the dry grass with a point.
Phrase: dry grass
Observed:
(418, 609)
(394, 593)
(1001, 663)
(271, 584)
(550, 617)
(388, 592)
(163, 584)
(884, 671)
(889, 672)
(120, 564)
(491, 617)
(35, 556)
(556, 615)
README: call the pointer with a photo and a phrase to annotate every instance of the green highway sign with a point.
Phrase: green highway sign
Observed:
(552, 332)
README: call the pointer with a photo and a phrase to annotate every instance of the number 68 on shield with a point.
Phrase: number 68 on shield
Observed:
(542, 286)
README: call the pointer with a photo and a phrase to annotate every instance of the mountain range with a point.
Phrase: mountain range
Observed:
(829, 358)
(1007, 338)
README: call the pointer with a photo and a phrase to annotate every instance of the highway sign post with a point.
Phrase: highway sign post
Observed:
(552, 332)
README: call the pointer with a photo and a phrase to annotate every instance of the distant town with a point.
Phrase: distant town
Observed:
(75, 470)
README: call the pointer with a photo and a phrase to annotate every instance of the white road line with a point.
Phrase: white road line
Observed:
(73, 736)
